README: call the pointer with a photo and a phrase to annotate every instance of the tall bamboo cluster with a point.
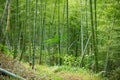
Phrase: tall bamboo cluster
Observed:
(51, 31)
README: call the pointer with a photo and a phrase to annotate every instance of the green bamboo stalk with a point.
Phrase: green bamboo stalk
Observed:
(93, 38)
(16, 30)
(59, 35)
(11, 74)
(67, 24)
(34, 35)
(41, 32)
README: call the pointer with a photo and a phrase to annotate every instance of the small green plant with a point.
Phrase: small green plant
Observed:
(69, 60)
(5, 49)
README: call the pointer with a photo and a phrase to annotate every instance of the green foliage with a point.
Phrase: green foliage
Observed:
(115, 74)
(69, 60)
(71, 69)
(5, 49)
(53, 37)
(89, 59)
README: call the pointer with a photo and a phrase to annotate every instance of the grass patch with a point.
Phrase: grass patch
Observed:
(64, 73)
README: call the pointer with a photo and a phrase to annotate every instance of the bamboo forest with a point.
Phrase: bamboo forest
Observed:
(59, 39)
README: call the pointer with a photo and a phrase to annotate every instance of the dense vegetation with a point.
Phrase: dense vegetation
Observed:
(73, 33)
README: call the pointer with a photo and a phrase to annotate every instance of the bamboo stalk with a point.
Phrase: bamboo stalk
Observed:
(11, 74)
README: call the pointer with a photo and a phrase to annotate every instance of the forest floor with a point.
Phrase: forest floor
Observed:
(43, 72)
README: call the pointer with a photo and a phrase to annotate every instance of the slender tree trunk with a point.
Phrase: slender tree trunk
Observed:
(59, 34)
(7, 28)
(8, 18)
(87, 23)
(67, 21)
(34, 35)
(86, 46)
(41, 30)
(24, 33)
(16, 30)
(95, 24)
(29, 33)
(63, 28)
(108, 48)
(93, 38)
(82, 32)
(2, 33)
(22, 41)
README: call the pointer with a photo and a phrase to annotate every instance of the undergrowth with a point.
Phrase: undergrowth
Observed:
(44, 72)
(64, 73)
